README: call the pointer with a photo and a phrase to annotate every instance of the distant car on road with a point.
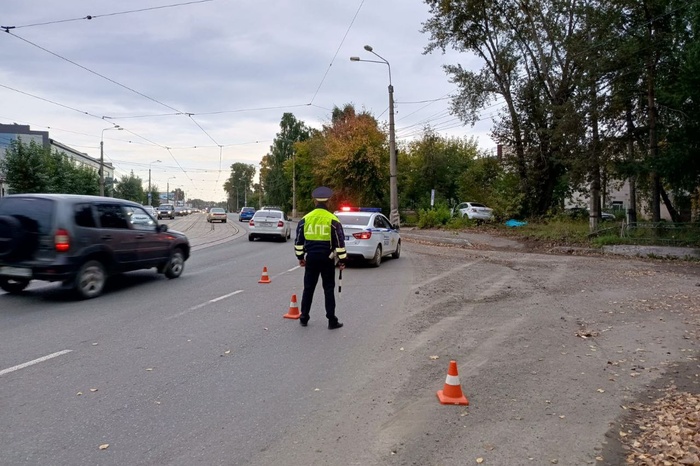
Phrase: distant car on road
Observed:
(473, 211)
(217, 214)
(246, 213)
(369, 235)
(166, 211)
(269, 224)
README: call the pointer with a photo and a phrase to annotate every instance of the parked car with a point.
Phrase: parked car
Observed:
(369, 235)
(217, 214)
(246, 213)
(166, 211)
(473, 211)
(81, 241)
(582, 212)
(270, 224)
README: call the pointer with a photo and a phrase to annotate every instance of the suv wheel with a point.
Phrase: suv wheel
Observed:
(13, 285)
(176, 264)
(90, 280)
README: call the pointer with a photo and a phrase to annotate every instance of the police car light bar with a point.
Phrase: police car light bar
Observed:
(360, 209)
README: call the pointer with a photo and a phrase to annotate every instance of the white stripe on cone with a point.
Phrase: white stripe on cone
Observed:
(452, 380)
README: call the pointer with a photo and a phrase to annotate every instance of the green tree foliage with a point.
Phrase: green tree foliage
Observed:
(434, 162)
(33, 168)
(590, 91)
(276, 168)
(239, 185)
(130, 187)
(353, 158)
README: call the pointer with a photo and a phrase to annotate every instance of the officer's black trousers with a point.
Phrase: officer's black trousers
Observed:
(319, 265)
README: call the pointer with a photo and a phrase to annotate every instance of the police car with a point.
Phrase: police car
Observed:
(368, 234)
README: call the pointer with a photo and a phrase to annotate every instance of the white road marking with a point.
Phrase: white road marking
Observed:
(36, 361)
(201, 305)
(294, 268)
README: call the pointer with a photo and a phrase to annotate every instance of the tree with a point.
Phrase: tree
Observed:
(130, 187)
(277, 165)
(239, 184)
(25, 169)
(33, 168)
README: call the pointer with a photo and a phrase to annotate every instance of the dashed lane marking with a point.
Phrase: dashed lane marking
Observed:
(36, 361)
(201, 305)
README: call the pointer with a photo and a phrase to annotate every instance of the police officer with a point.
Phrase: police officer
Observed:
(319, 241)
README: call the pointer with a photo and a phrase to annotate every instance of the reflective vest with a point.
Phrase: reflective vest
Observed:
(317, 225)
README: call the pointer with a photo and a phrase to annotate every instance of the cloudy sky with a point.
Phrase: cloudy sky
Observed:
(200, 85)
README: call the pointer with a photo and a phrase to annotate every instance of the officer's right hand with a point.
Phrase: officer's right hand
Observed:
(302, 263)
(341, 265)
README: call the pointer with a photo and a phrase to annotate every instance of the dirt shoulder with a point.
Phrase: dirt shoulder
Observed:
(659, 426)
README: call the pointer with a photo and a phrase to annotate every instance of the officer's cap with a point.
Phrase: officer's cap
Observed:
(322, 193)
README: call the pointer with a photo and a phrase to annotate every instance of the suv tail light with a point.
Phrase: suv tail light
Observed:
(251, 223)
(61, 240)
(280, 224)
(362, 235)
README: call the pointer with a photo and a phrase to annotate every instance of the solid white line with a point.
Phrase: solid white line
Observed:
(294, 268)
(36, 361)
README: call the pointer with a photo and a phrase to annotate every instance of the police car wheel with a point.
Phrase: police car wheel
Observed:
(396, 254)
(377, 259)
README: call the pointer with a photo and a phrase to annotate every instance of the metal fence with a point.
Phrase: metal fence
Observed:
(661, 233)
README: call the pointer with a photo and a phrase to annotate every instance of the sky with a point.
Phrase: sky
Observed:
(199, 85)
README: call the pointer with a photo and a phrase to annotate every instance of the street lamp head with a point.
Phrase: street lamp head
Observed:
(354, 58)
(368, 48)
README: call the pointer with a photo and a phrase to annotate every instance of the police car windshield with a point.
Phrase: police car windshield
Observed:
(353, 219)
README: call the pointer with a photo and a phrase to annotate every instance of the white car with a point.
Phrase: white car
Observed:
(473, 211)
(369, 235)
(269, 223)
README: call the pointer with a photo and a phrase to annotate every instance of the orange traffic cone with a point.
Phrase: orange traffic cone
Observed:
(265, 278)
(451, 394)
(293, 309)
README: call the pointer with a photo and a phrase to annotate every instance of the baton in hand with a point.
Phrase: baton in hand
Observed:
(340, 281)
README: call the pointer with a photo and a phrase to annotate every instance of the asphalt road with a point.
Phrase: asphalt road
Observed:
(203, 370)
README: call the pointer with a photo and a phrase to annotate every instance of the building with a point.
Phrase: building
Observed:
(8, 133)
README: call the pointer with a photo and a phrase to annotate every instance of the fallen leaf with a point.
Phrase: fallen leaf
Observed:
(104, 446)
(434, 357)
(479, 460)
(600, 390)
(93, 390)
(79, 393)
(227, 352)
(149, 369)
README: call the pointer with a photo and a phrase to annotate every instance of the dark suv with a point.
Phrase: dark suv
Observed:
(82, 240)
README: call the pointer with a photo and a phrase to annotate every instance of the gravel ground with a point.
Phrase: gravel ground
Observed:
(662, 425)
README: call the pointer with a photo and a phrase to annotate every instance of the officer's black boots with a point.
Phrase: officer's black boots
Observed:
(333, 324)
(304, 322)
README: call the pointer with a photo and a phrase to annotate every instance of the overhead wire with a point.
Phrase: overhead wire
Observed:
(91, 17)
(336, 52)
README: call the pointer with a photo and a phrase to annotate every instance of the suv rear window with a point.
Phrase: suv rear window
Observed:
(165, 207)
(35, 215)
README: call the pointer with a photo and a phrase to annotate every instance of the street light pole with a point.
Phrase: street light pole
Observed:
(149, 181)
(102, 158)
(393, 188)
(167, 193)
